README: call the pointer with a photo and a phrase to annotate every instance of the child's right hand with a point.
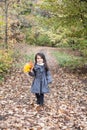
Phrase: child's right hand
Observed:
(31, 70)
(28, 67)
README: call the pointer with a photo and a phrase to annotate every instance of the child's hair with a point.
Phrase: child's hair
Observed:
(44, 60)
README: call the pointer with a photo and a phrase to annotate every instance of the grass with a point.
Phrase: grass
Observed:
(66, 60)
(24, 59)
(29, 57)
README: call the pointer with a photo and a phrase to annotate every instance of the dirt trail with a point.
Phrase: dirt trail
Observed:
(65, 106)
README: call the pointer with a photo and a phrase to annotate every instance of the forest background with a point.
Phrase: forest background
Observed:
(53, 23)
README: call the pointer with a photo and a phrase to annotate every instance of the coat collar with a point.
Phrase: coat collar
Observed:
(40, 67)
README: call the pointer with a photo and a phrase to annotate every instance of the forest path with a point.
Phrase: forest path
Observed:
(65, 106)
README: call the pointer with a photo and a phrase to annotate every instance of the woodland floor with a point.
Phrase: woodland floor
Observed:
(65, 106)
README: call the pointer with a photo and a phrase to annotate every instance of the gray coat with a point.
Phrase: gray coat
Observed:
(41, 79)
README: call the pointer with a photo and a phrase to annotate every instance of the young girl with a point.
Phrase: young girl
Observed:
(42, 78)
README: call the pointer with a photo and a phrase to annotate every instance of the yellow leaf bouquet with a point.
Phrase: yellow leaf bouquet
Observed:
(28, 67)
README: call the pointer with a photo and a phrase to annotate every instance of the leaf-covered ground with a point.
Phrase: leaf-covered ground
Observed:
(65, 106)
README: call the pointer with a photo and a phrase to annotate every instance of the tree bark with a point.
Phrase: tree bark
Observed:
(6, 24)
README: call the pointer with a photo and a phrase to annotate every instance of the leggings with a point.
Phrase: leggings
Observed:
(40, 98)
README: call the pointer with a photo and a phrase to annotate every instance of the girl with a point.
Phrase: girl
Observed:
(42, 78)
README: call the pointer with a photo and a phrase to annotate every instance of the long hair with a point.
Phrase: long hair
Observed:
(44, 60)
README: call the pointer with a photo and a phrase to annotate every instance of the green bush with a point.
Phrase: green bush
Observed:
(83, 47)
(5, 62)
(30, 37)
(65, 60)
(30, 40)
(78, 44)
(37, 39)
(43, 40)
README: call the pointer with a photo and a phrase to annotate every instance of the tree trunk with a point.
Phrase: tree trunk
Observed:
(6, 24)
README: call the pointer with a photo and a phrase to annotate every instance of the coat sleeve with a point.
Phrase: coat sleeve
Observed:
(32, 73)
(49, 77)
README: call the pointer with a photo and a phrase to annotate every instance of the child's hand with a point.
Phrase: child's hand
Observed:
(31, 70)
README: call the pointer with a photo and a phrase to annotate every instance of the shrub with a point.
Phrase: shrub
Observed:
(83, 47)
(78, 44)
(5, 62)
(65, 60)
(43, 40)
(30, 37)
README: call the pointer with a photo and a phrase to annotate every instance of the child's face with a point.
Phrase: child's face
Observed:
(39, 59)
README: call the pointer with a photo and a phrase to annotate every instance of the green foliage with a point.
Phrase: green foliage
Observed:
(30, 40)
(43, 40)
(83, 47)
(30, 36)
(1, 22)
(5, 62)
(37, 37)
(23, 8)
(29, 57)
(80, 44)
(25, 12)
(71, 16)
(66, 60)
